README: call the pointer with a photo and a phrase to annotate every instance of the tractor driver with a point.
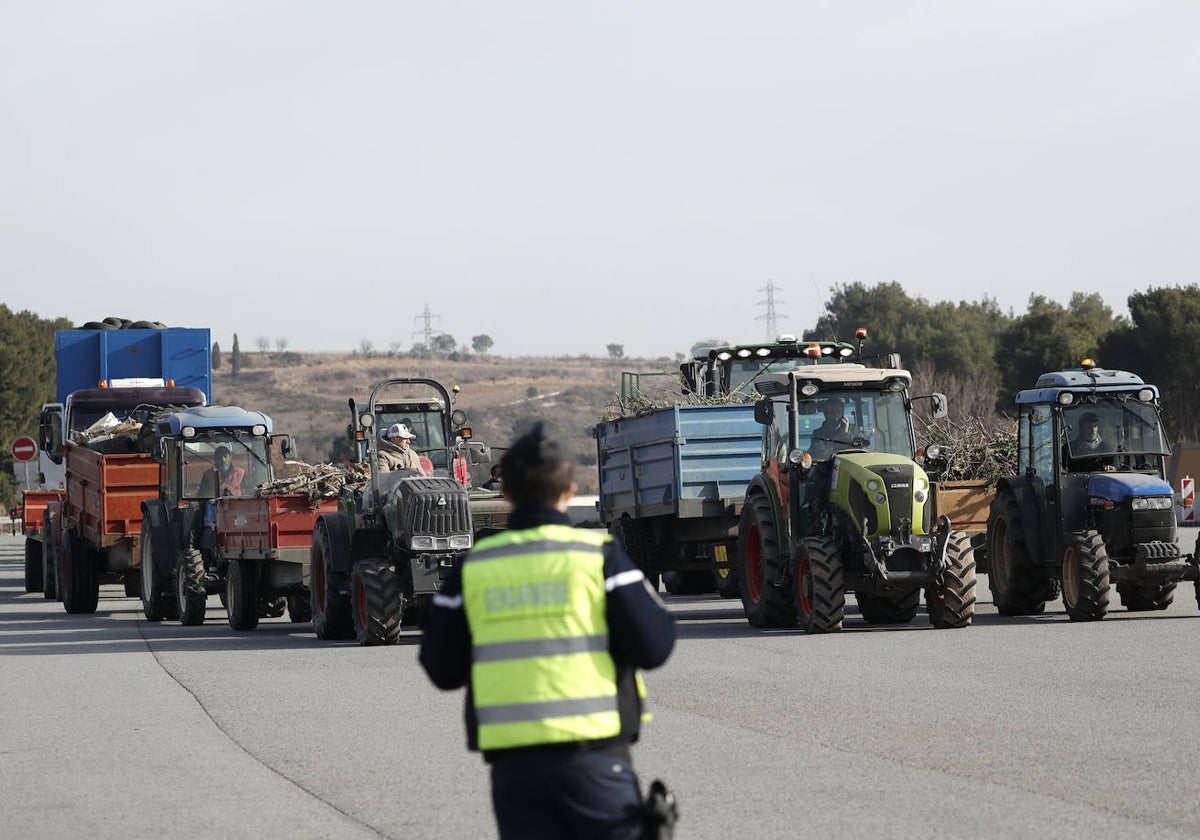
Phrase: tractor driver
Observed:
(1079, 456)
(832, 435)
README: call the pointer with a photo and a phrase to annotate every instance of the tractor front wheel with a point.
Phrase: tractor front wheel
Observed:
(1144, 597)
(190, 594)
(1085, 585)
(375, 599)
(820, 586)
(951, 601)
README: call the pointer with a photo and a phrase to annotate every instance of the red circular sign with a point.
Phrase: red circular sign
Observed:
(24, 449)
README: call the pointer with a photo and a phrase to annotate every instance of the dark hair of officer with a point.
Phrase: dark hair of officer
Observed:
(536, 473)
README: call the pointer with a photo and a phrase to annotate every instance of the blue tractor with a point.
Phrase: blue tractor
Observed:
(1090, 507)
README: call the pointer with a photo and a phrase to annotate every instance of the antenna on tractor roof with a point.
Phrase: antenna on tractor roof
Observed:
(820, 297)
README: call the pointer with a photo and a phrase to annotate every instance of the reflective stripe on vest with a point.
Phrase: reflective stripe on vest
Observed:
(541, 672)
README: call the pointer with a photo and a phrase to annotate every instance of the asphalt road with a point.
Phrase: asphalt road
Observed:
(116, 727)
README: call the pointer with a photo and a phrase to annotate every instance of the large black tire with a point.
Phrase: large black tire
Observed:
(1085, 583)
(331, 616)
(190, 593)
(241, 594)
(1015, 584)
(376, 602)
(80, 583)
(638, 545)
(33, 565)
(951, 600)
(299, 609)
(894, 608)
(760, 567)
(158, 599)
(820, 586)
(1138, 597)
(50, 552)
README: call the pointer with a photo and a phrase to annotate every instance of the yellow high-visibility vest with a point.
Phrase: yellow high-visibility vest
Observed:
(541, 672)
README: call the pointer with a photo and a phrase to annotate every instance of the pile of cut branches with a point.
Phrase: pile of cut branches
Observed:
(972, 449)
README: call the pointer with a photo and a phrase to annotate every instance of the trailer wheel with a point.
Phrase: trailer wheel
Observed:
(330, 606)
(1144, 597)
(951, 603)
(375, 599)
(81, 586)
(760, 567)
(157, 602)
(190, 594)
(299, 609)
(1014, 582)
(820, 586)
(893, 608)
(633, 539)
(241, 593)
(272, 607)
(1085, 584)
(34, 575)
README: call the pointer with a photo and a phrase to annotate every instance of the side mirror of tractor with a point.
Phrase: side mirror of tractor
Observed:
(764, 412)
(938, 406)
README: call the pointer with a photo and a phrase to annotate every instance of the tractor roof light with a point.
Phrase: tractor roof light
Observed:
(743, 353)
(1146, 394)
(188, 432)
(894, 383)
(724, 355)
(763, 351)
(860, 333)
(808, 389)
(786, 338)
(846, 351)
(1087, 364)
(813, 350)
(258, 429)
(1066, 398)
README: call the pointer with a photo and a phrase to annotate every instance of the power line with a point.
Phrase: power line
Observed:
(427, 331)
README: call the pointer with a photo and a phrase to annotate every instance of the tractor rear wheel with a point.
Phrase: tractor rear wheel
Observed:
(1085, 584)
(190, 594)
(375, 598)
(1137, 597)
(951, 602)
(157, 602)
(820, 586)
(50, 554)
(1012, 577)
(760, 567)
(330, 605)
(894, 608)
(241, 594)
(33, 565)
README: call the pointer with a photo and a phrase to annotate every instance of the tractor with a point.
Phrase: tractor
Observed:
(832, 513)
(395, 538)
(1090, 506)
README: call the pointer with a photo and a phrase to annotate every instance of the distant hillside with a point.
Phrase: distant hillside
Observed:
(306, 394)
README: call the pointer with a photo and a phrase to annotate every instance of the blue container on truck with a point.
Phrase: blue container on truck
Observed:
(672, 483)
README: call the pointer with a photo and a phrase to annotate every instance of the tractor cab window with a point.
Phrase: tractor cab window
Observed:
(1111, 434)
(872, 420)
(428, 425)
(1040, 430)
(224, 466)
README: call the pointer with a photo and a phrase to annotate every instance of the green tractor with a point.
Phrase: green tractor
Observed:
(842, 506)
(396, 537)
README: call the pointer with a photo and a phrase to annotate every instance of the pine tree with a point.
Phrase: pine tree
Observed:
(235, 357)
(216, 355)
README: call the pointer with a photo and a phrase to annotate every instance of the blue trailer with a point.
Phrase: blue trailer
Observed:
(672, 483)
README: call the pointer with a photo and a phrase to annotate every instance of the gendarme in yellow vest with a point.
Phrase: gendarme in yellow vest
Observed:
(541, 672)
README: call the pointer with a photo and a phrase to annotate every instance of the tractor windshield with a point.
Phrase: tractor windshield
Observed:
(876, 420)
(224, 465)
(1112, 428)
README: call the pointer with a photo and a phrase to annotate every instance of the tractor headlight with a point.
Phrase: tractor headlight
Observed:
(1152, 503)
(460, 541)
(880, 498)
(422, 543)
(920, 496)
(873, 485)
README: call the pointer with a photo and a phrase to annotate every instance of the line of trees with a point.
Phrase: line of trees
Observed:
(981, 356)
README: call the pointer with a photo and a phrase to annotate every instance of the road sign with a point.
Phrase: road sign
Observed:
(24, 449)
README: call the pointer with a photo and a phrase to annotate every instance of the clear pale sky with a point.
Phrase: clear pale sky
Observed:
(561, 176)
